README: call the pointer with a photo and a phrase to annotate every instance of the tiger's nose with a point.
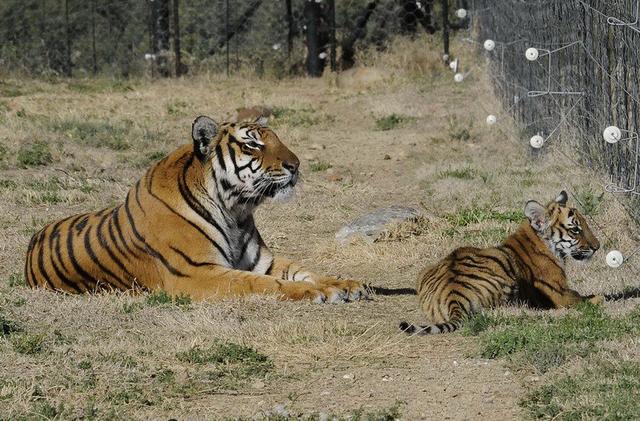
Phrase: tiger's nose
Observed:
(292, 165)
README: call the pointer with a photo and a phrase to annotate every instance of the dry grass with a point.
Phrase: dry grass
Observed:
(119, 356)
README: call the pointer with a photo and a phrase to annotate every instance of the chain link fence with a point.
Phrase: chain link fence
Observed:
(173, 37)
(580, 77)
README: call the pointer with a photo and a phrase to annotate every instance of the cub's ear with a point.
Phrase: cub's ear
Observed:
(562, 198)
(203, 130)
(537, 215)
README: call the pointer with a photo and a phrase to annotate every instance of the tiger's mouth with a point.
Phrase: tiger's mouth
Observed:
(582, 255)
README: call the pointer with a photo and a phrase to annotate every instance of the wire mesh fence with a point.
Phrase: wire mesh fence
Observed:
(571, 68)
(169, 37)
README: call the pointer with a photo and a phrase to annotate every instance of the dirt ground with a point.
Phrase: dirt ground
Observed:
(440, 157)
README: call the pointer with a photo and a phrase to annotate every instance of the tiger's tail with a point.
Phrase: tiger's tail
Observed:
(457, 315)
(447, 327)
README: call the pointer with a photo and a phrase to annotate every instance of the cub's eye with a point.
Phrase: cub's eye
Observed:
(575, 230)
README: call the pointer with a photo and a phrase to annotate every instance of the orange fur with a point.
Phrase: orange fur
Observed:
(187, 227)
(529, 265)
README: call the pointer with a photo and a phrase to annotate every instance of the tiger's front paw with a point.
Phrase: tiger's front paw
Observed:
(350, 289)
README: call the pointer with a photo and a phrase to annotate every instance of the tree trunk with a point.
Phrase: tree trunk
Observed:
(347, 60)
(313, 16)
(161, 35)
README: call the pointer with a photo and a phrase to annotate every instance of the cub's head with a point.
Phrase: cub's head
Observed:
(248, 161)
(563, 228)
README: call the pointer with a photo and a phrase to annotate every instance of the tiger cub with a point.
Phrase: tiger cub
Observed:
(529, 265)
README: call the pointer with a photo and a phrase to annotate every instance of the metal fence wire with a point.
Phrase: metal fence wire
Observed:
(584, 79)
(165, 37)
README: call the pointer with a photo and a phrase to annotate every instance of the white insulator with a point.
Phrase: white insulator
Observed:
(532, 54)
(614, 259)
(536, 141)
(612, 134)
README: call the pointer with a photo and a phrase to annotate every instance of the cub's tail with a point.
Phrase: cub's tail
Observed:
(450, 326)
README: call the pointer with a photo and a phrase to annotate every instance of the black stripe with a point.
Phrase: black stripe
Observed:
(96, 261)
(189, 260)
(41, 267)
(270, 268)
(200, 230)
(105, 245)
(147, 248)
(54, 246)
(112, 237)
(82, 224)
(220, 157)
(116, 223)
(194, 204)
(85, 276)
(255, 261)
(137, 190)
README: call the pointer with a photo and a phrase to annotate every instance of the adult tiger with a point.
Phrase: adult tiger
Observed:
(529, 265)
(187, 227)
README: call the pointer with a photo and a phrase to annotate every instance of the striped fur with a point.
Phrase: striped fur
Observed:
(187, 227)
(529, 265)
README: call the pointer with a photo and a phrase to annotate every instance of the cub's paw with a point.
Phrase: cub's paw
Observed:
(596, 299)
(352, 290)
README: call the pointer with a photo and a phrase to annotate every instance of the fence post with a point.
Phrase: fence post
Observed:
(176, 36)
(67, 59)
(226, 31)
(332, 32)
(445, 27)
(94, 56)
(290, 24)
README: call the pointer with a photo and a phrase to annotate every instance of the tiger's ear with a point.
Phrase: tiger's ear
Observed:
(562, 198)
(537, 215)
(203, 130)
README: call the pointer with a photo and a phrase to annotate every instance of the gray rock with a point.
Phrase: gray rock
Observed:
(370, 226)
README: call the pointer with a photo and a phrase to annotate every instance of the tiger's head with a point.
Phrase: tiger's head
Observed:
(563, 228)
(248, 161)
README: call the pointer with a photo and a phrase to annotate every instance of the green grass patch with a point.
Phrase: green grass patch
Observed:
(605, 390)
(227, 364)
(393, 121)
(36, 154)
(6, 184)
(589, 201)
(461, 131)
(97, 133)
(493, 235)
(8, 327)
(319, 166)
(475, 215)
(161, 298)
(177, 108)
(460, 173)
(10, 91)
(543, 341)
(16, 279)
(4, 153)
(28, 343)
(302, 117)
(99, 85)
